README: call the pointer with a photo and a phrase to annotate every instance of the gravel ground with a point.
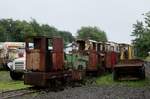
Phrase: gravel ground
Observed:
(96, 92)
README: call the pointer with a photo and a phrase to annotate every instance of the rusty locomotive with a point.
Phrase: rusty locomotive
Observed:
(46, 62)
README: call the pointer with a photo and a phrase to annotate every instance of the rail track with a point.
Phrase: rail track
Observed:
(16, 93)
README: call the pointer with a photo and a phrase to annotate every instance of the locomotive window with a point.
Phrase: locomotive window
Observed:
(81, 45)
(29, 44)
(99, 47)
(94, 46)
(37, 43)
(49, 47)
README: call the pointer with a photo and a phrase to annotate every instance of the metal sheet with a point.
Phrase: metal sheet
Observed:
(33, 60)
(110, 59)
(78, 75)
(92, 61)
(58, 45)
(58, 61)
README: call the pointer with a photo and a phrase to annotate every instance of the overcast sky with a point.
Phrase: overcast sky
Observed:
(115, 17)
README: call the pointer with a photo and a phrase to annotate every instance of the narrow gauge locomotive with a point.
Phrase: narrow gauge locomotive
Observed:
(45, 64)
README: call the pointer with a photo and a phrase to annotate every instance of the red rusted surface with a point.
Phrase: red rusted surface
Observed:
(58, 54)
(130, 70)
(45, 64)
(58, 44)
(130, 63)
(35, 58)
(110, 59)
(77, 75)
(113, 59)
(93, 61)
(58, 61)
(42, 78)
(43, 59)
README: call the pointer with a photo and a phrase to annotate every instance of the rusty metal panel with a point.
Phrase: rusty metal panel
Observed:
(33, 60)
(42, 78)
(92, 65)
(58, 61)
(57, 54)
(108, 60)
(130, 63)
(113, 59)
(58, 45)
(78, 75)
(129, 73)
(35, 78)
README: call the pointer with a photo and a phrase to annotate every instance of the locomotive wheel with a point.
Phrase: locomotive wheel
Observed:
(16, 75)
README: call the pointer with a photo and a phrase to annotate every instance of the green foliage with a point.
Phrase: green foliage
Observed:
(16, 30)
(67, 36)
(93, 33)
(141, 33)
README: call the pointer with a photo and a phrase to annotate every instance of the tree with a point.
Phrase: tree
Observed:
(93, 33)
(67, 36)
(49, 30)
(36, 27)
(141, 32)
(2, 33)
(5, 25)
(16, 30)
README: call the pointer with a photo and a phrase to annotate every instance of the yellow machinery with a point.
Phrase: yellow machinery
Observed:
(126, 52)
(128, 67)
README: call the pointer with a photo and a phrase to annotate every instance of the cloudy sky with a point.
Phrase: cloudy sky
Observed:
(115, 17)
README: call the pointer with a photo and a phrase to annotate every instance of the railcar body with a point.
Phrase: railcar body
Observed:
(45, 64)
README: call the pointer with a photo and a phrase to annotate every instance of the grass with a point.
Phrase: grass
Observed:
(6, 83)
(107, 80)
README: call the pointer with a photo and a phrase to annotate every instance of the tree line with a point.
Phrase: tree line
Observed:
(16, 31)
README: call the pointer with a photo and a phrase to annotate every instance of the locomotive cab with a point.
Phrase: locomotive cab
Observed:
(111, 55)
(45, 61)
(88, 49)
